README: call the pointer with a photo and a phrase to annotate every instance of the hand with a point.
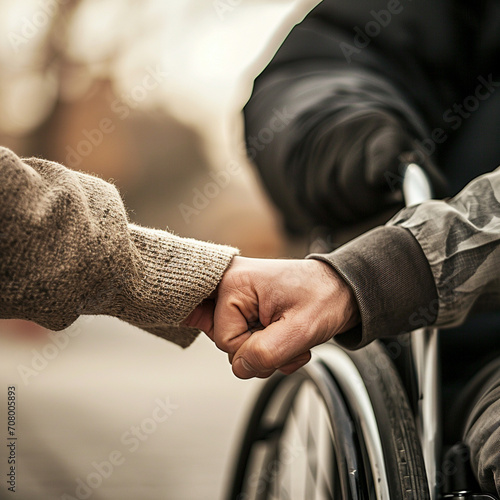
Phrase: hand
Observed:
(368, 152)
(298, 304)
(350, 168)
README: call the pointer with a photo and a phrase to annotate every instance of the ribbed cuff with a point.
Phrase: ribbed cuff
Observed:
(176, 274)
(392, 283)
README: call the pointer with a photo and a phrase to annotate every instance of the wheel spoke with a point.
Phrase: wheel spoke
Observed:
(320, 441)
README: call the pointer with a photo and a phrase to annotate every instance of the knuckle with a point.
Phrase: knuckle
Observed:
(222, 344)
(263, 357)
(230, 344)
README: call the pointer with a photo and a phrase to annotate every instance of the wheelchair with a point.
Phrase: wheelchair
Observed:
(357, 425)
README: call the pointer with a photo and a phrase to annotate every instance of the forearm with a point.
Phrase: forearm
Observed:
(68, 249)
(392, 283)
(432, 264)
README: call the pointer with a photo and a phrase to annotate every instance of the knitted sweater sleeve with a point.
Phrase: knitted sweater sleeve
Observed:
(67, 249)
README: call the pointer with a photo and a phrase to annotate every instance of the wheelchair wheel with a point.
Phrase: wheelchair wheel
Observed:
(340, 428)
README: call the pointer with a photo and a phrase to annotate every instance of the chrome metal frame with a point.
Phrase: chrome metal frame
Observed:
(424, 353)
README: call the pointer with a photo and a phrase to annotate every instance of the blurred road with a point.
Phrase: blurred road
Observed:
(168, 419)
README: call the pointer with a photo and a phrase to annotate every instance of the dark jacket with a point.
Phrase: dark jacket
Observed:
(419, 62)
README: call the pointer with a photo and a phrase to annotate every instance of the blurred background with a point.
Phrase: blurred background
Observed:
(146, 94)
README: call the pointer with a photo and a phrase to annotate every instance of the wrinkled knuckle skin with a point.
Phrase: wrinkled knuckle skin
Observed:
(221, 344)
(262, 358)
(230, 346)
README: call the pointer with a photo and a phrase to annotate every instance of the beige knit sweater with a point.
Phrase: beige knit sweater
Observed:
(67, 248)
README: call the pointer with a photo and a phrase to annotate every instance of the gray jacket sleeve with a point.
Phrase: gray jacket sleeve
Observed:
(432, 264)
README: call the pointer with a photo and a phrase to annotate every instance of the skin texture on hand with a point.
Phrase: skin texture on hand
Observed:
(289, 305)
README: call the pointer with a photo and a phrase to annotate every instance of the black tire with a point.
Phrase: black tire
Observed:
(402, 451)
(372, 449)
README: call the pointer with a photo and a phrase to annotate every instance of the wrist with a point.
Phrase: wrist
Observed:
(342, 295)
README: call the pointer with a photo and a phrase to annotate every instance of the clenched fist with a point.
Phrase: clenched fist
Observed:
(268, 314)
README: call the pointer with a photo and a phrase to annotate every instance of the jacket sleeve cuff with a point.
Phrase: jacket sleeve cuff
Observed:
(391, 280)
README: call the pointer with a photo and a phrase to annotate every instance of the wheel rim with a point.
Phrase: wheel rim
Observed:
(294, 449)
